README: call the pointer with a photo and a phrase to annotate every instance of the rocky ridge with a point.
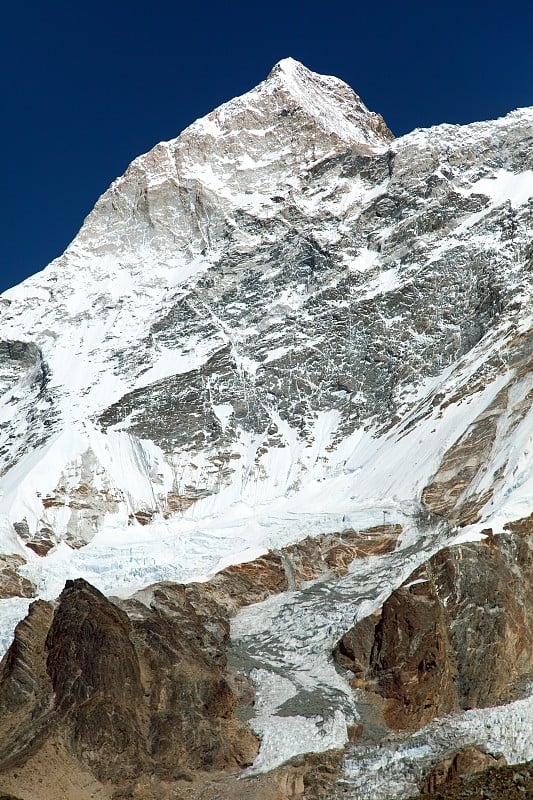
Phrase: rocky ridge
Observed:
(500, 783)
(124, 694)
(138, 694)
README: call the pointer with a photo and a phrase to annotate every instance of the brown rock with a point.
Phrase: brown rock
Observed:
(355, 732)
(11, 583)
(240, 585)
(452, 490)
(51, 772)
(332, 554)
(313, 557)
(457, 634)
(40, 546)
(190, 700)
(468, 761)
(402, 654)
(40, 542)
(446, 495)
(522, 527)
(26, 693)
(143, 517)
(96, 678)
(416, 671)
(495, 783)
(354, 649)
(119, 694)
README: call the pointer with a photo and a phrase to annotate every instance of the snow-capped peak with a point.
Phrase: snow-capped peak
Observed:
(292, 96)
(329, 101)
(274, 326)
(256, 307)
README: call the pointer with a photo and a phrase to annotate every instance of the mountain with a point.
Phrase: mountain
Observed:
(283, 375)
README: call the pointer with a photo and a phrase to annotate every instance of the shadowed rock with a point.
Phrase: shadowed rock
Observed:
(457, 634)
(124, 694)
(95, 674)
(26, 692)
(498, 782)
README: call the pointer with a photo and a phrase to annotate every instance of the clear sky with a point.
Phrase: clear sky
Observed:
(87, 86)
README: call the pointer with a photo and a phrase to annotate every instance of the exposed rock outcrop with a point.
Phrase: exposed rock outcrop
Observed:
(12, 584)
(300, 289)
(140, 686)
(124, 694)
(190, 703)
(457, 634)
(278, 325)
(291, 566)
(463, 484)
(96, 678)
(331, 554)
(468, 761)
(26, 691)
(497, 783)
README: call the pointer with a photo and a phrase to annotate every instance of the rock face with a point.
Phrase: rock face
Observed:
(26, 692)
(404, 650)
(469, 761)
(457, 634)
(141, 685)
(96, 679)
(511, 783)
(191, 703)
(125, 694)
(12, 584)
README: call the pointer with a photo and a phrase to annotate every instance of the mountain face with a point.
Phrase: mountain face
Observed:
(287, 362)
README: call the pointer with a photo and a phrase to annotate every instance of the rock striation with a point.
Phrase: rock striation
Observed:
(511, 783)
(467, 762)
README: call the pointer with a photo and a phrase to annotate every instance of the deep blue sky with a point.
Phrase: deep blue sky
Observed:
(88, 86)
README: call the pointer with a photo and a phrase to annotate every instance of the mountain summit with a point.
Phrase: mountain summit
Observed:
(289, 355)
(328, 100)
